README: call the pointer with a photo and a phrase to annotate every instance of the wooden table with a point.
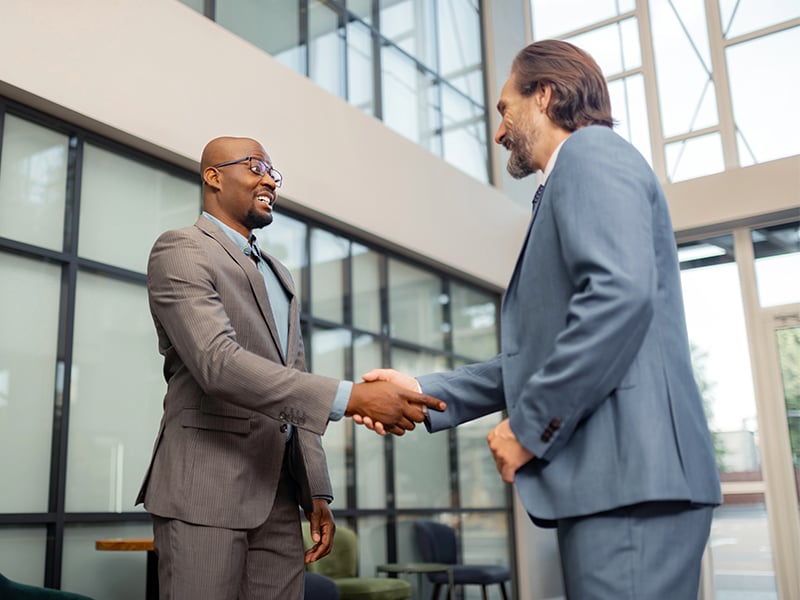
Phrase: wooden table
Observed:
(419, 569)
(136, 545)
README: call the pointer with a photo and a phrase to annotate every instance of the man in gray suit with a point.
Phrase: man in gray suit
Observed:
(239, 444)
(606, 437)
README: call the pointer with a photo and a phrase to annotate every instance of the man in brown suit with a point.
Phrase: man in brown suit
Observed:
(239, 444)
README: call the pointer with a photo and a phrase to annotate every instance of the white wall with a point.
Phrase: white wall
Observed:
(157, 75)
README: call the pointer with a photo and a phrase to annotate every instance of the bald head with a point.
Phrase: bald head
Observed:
(227, 148)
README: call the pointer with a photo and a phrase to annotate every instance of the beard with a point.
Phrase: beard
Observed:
(256, 220)
(521, 160)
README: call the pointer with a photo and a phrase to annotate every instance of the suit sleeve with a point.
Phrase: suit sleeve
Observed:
(187, 306)
(603, 215)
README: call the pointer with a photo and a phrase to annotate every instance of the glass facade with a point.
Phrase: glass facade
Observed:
(415, 64)
(81, 386)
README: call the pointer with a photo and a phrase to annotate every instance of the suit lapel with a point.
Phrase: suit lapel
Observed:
(254, 278)
(286, 282)
(524, 247)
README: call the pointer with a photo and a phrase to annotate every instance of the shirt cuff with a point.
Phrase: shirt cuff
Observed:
(340, 400)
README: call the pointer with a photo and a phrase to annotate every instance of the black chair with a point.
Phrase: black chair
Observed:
(437, 544)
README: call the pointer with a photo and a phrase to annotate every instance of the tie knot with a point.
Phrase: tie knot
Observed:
(252, 249)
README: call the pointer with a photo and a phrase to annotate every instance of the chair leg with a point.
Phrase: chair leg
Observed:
(503, 590)
(435, 593)
(483, 592)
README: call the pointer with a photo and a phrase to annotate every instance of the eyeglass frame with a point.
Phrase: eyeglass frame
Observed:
(276, 175)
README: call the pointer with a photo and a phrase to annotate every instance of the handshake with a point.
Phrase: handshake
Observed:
(388, 401)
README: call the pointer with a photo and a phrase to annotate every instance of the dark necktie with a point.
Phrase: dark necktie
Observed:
(537, 196)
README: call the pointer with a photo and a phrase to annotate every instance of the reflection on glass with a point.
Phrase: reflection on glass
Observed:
(422, 460)
(28, 344)
(410, 25)
(767, 58)
(415, 305)
(325, 48)
(33, 183)
(629, 108)
(687, 95)
(272, 25)
(743, 16)
(285, 239)
(615, 47)
(410, 100)
(111, 425)
(116, 190)
(359, 67)
(370, 472)
(479, 483)
(464, 134)
(553, 18)
(117, 575)
(788, 339)
(328, 260)
(22, 553)
(366, 283)
(329, 351)
(474, 317)
(715, 320)
(694, 157)
(777, 253)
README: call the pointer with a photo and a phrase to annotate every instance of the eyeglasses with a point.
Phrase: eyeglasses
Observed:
(257, 166)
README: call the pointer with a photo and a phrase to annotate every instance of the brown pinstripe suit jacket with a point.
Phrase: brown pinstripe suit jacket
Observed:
(218, 453)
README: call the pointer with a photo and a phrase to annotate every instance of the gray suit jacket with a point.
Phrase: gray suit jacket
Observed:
(594, 367)
(219, 450)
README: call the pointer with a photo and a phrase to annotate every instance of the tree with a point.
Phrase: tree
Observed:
(706, 388)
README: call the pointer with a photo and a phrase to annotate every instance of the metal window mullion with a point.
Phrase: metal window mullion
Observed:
(599, 24)
(762, 32)
(692, 134)
(719, 70)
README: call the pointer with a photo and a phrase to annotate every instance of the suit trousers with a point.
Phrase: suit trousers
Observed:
(648, 551)
(198, 562)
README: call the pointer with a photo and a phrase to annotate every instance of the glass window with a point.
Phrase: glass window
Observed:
(694, 157)
(459, 36)
(474, 316)
(360, 80)
(117, 191)
(372, 544)
(480, 485)
(464, 134)
(198, 5)
(370, 473)
(103, 574)
(422, 460)
(329, 254)
(410, 25)
(325, 48)
(629, 108)
(485, 539)
(112, 424)
(553, 18)
(686, 90)
(718, 340)
(415, 305)
(33, 183)
(615, 47)
(788, 341)
(272, 25)
(22, 552)
(366, 289)
(285, 239)
(410, 100)
(330, 351)
(768, 58)
(28, 344)
(743, 16)
(777, 254)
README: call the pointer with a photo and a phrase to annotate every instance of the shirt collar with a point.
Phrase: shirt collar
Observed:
(237, 238)
(552, 162)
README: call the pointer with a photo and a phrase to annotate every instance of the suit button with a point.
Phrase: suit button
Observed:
(555, 423)
(546, 436)
(284, 427)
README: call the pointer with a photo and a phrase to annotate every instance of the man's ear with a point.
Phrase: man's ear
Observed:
(211, 177)
(544, 94)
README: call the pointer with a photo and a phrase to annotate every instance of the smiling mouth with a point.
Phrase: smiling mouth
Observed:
(266, 199)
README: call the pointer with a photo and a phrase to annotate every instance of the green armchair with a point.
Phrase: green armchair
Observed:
(341, 565)
(11, 590)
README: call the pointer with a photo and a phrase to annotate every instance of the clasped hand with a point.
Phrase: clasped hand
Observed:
(509, 454)
(388, 407)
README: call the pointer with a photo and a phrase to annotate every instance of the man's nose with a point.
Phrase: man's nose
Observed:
(500, 134)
